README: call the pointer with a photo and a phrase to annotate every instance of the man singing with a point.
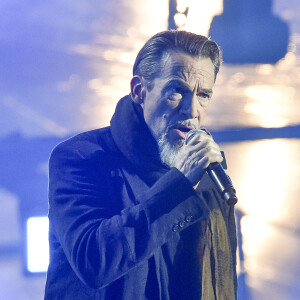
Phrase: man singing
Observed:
(133, 214)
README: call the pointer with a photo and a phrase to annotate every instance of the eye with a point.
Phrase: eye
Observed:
(175, 94)
(204, 98)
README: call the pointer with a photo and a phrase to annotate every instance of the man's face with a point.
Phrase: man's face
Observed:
(180, 97)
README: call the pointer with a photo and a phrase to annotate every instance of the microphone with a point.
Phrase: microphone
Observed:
(217, 173)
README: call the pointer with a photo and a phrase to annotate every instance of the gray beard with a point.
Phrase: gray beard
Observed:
(168, 152)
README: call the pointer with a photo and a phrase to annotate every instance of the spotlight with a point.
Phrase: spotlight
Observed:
(37, 245)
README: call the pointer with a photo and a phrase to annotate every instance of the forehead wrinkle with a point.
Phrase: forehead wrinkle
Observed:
(174, 65)
(194, 80)
(195, 75)
(186, 72)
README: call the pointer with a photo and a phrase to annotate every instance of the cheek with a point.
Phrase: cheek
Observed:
(155, 118)
(157, 115)
(170, 108)
(162, 110)
(203, 113)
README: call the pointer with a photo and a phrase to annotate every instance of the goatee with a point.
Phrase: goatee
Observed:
(168, 151)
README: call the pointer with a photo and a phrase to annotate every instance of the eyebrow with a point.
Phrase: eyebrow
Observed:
(207, 91)
(182, 84)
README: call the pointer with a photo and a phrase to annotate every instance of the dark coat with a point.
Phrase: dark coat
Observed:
(123, 226)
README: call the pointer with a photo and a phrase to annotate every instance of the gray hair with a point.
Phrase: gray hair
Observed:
(149, 58)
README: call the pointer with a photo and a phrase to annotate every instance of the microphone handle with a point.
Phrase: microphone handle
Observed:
(223, 183)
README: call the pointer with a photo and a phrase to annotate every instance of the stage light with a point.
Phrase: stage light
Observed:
(37, 244)
(180, 19)
(193, 15)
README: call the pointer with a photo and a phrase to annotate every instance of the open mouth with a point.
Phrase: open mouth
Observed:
(182, 130)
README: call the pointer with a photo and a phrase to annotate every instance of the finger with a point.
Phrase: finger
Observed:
(214, 157)
(209, 145)
(206, 156)
(199, 137)
(205, 161)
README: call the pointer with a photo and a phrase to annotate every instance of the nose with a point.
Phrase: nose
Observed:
(190, 107)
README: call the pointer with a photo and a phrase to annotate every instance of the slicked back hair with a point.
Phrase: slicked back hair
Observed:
(149, 59)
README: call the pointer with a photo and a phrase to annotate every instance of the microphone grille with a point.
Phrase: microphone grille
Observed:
(193, 132)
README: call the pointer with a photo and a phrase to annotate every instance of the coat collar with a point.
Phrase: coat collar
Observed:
(135, 141)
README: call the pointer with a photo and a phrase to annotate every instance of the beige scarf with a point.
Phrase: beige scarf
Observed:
(217, 267)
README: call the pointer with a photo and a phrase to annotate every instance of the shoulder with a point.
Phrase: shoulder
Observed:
(86, 145)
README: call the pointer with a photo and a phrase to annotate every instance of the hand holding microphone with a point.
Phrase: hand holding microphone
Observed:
(201, 154)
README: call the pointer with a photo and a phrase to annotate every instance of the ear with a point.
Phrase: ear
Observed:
(137, 89)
